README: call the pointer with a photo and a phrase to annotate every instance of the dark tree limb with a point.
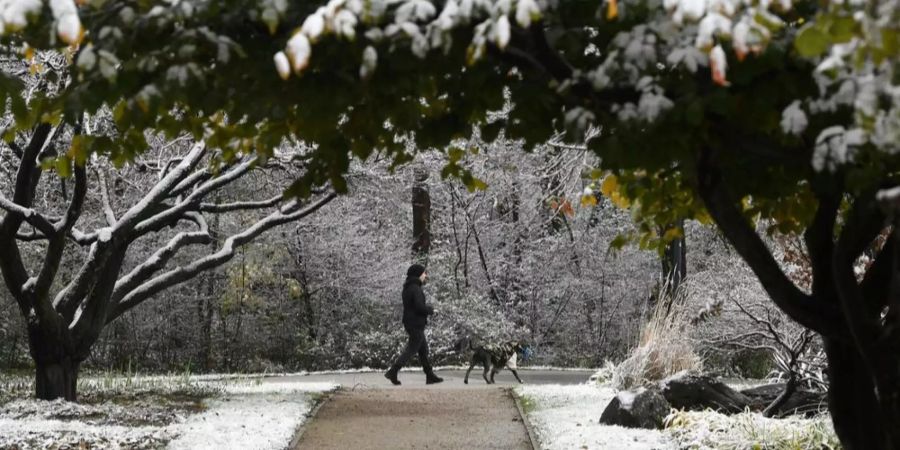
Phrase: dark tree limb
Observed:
(863, 224)
(819, 239)
(15, 275)
(802, 308)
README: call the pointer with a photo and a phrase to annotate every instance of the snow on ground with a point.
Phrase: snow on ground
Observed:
(710, 430)
(237, 414)
(261, 416)
(567, 417)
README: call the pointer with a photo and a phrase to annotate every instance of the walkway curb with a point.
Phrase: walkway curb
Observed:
(532, 438)
(298, 433)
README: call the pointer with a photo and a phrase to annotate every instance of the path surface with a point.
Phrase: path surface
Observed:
(369, 413)
(453, 378)
(416, 418)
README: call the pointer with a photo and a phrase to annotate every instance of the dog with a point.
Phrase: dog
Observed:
(493, 357)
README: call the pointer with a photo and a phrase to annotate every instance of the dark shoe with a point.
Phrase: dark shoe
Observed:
(392, 375)
(433, 379)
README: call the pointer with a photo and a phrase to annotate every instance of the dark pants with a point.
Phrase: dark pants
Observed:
(416, 344)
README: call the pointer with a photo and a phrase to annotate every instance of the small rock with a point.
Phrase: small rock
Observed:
(643, 408)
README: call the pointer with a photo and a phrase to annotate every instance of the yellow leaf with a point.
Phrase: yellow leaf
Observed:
(672, 233)
(620, 200)
(703, 217)
(609, 185)
(612, 9)
(588, 200)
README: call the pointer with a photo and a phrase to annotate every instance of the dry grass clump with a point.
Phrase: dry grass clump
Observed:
(711, 430)
(664, 349)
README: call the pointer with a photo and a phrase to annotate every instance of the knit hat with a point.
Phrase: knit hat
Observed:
(415, 270)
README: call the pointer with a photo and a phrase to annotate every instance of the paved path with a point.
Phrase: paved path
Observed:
(453, 378)
(369, 413)
(417, 418)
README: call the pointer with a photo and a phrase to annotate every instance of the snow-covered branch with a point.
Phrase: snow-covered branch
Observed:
(194, 198)
(29, 215)
(240, 206)
(162, 189)
(104, 197)
(286, 214)
(161, 257)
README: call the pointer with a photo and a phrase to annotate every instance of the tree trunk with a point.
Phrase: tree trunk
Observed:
(56, 365)
(56, 379)
(674, 262)
(421, 205)
(205, 299)
(858, 418)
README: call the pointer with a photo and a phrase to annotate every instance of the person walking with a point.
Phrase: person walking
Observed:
(415, 318)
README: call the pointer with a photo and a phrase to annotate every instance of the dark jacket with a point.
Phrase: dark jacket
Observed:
(415, 311)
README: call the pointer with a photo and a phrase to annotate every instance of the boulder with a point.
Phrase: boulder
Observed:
(699, 392)
(641, 408)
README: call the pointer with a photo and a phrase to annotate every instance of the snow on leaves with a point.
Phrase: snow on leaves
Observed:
(15, 15)
(835, 147)
(419, 22)
(793, 119)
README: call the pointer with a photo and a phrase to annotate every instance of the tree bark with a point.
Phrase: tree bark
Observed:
(56, 379)
(421, 205)
(863, 361)
(674, 262)
(56, 368)
(853, 403)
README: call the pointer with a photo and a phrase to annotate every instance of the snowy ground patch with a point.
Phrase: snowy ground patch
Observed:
(710, 430)
(173, 412)
(567, 417)
(254, 416)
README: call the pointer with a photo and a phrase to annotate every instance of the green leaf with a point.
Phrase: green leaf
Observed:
(811, 42)
(455, 154)
(694, 113)
(475, 184)
(890, 41)
(619, 242)
(842, 29)
(64, 166)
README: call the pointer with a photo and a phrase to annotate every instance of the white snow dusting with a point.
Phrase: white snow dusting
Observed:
(246, 414)
(567, 417)
(266, 420)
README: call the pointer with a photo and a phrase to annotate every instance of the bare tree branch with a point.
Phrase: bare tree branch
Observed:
(161, 257)
(161, 190)
(194, 198)
(180, 274)
(29, 215)
(240, 206)
(104, 197)
(14, 273)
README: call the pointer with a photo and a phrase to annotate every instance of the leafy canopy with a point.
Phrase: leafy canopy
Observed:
(785, 97)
